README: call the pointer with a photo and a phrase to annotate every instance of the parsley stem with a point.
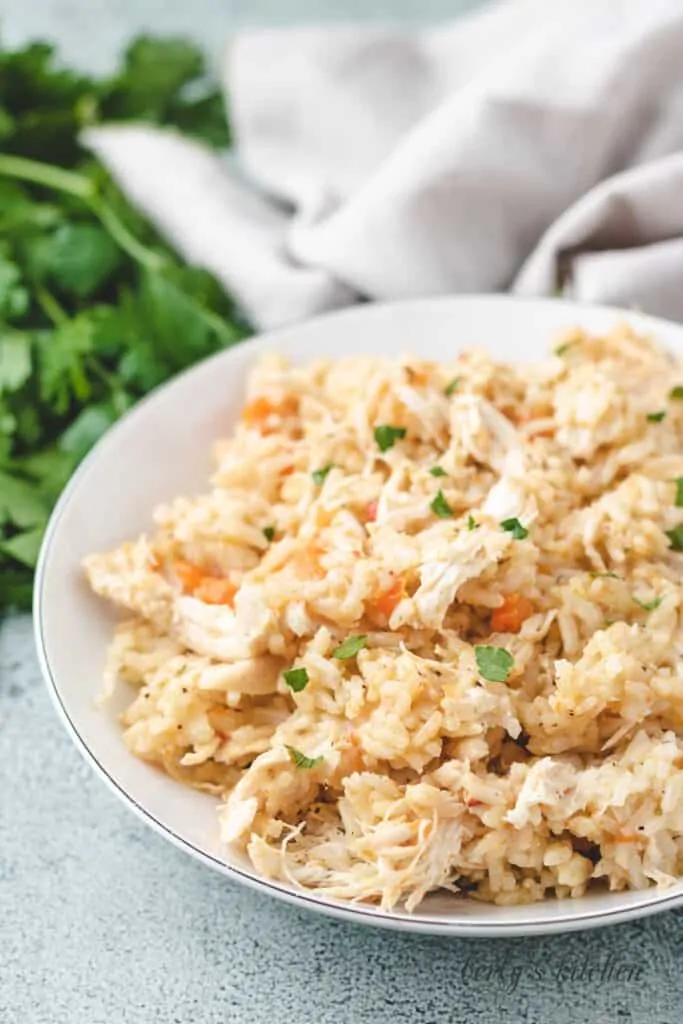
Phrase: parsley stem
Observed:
(123, 237)
(48, 175)
(50, 307)
(218, 325)
(97, 370)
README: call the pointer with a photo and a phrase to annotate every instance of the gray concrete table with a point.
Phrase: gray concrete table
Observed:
(102, 922)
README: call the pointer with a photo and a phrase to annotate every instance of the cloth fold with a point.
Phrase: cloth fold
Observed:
(526, 146)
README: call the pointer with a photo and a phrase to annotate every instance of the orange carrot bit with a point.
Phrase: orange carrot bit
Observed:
(627, 839)
(257, 412)
(474, 803)
(385, 601)
(371, 511)
(189, 574)
(514, 610)
(213, 590)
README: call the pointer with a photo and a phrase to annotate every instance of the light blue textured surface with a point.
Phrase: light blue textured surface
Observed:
(102, 922)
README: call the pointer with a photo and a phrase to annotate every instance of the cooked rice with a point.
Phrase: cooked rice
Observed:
(422, 773)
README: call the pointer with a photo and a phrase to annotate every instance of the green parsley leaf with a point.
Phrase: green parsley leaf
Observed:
(15, 360)
(269, 533)
(87, 429)
(649, 606)
(677, 392)
(387, 436)
(562, 349)
(142, 369)
(175, 320)
(440, 506)
(296, 679)
(301, 761)
(494, 663)
(319, 475)
(49, 470)
(656, 417)
(350, 647)
(679, 492)
(605, 575)
(20, 502)
(514, 527)
(676, 537)
(438, 471)
(452, 387)
(24, 547)
(61, 354)
(14, 297)
(78, 258)
(154, 72)
(472, 523)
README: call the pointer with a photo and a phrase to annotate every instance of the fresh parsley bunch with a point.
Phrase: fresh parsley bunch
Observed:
(94, 309)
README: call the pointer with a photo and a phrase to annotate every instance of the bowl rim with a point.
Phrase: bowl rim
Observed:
(356, 913)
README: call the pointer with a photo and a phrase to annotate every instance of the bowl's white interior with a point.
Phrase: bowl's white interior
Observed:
(162, 449)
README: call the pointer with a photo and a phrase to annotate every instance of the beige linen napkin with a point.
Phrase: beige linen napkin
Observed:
(530, 146)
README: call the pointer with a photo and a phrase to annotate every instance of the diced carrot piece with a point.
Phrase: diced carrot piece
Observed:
(514, 610)
(189, 574)
(626, 839)
(474, 803)
(213, 590)
(385, 601)
(257, 412)
(371, 511)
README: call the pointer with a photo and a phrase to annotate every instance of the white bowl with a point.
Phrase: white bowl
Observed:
(162, 448)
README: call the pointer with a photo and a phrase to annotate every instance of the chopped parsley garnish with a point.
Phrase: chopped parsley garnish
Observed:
(676, 537)
(676, 392)
(472, 523)
(514, 527)
(679, 491)
(605, 576)
(350, 648)
(494, 663)
(296, 679)
(656, 417)
(561, 349)
(451, 387)
(320, 474)
(437, 471)
(440, 506)
(649, 606)
(301, 761)
(269, 532)
(387, 436)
